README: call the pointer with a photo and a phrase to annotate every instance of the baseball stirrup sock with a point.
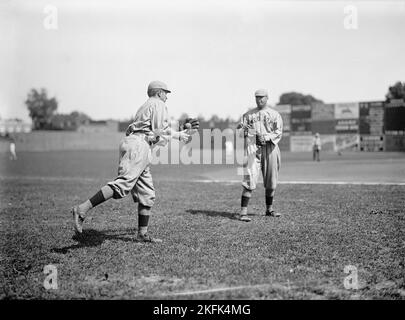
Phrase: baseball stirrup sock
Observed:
(97, 199)
(244, 201)
(143, 219)
(269, 201)
(143, 222)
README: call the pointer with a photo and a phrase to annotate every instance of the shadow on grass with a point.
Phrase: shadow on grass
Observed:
(213, 213)
(94, 238)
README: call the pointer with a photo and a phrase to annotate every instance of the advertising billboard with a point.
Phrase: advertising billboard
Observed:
(323, 126)
(346, 110)
(394, 117)
(328, 142)
(371, 118)
(347, 142)
(301, 119)
(323, 112)
(372, 143)
(347, 126)
(394, 142)
(301, 143)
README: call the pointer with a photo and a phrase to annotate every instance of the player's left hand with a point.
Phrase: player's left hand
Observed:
(260, 140)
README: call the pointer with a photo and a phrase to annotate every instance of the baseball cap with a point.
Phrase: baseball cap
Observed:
(261, 93)
(158, 85)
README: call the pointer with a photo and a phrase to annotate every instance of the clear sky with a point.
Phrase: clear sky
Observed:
(212, 54)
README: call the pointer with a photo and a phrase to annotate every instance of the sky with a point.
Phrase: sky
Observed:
(213, 55)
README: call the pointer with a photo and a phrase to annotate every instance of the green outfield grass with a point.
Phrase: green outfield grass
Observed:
(206, 254)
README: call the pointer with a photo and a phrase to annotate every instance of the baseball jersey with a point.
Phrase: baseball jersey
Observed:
(266, 121)
(151, 117)
(317, 143)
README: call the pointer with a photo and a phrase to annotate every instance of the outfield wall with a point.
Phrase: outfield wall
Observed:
(64, 140)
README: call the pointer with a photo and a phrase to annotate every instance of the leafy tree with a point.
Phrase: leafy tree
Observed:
(296, 99)
(214, 118)
(183, 116)
(397, 91)
(61, 122)
(68, 121)
(41, 108)
(79, 118)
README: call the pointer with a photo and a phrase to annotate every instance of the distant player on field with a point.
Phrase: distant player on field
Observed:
(13, 154)
(316, 146)
(150, 127)
(262, 128)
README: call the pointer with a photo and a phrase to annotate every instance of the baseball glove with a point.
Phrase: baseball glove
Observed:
(194, 123)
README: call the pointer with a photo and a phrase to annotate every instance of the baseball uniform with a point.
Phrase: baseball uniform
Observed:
(268, 123)
(134, 176)
(316, 146)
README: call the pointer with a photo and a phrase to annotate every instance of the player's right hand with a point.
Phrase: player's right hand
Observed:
(184, 136)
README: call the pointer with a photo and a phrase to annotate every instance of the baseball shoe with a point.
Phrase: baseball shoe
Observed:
(272, 213)
(147, 238)
(78, 219)
(242, 217)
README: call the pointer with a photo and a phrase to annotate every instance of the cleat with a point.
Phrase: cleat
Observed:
(147, 238)
(272, 213)
(78, 219)
(243, 217)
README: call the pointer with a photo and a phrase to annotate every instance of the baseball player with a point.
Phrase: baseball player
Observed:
(149, 128)
(316, 146)
(262, 128)
(13, 154)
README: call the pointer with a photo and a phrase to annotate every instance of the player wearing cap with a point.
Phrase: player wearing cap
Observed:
(262, 128)
(149, 128)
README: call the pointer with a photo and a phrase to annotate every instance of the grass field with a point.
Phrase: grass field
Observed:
(206, 254)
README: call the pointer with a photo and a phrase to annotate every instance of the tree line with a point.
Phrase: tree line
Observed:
(44, 115)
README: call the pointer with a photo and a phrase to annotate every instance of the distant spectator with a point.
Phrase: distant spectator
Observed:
(316, 147)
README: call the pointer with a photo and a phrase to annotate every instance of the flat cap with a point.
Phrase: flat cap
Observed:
(261, 93)
(158, 85)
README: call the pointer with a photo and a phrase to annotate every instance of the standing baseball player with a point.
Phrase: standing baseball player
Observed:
(149, 128)
(13, 154)
(316, 146)
(262, 128)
